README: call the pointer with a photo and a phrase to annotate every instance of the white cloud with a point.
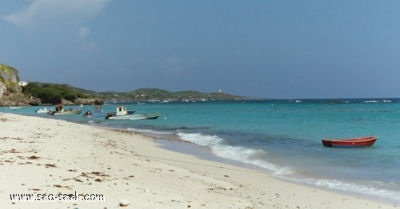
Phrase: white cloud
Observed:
(52, 11)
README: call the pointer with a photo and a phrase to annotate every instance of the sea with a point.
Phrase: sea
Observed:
(279, 137)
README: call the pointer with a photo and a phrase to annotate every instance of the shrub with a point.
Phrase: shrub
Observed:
(51, 93)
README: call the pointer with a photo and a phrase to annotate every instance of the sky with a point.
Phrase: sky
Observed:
(257, 48)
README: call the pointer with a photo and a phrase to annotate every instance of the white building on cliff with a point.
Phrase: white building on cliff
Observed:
(23, 83)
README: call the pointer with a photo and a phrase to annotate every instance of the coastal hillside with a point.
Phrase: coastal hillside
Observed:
(37, 93)
(160, 95)
(49, 93)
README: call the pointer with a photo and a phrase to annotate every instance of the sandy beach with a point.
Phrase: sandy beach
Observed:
(51, 160)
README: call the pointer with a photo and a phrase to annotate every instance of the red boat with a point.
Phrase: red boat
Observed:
(353, 142)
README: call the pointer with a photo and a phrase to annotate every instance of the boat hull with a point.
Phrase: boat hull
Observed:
(144, 116)
(67, 112)
(353, 142)
(44, 110)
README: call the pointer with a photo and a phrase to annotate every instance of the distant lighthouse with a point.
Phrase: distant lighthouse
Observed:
(219, 90)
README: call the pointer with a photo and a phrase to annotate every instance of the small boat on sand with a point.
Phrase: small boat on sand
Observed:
(352, 142)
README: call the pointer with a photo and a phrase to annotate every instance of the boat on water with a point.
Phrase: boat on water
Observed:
(351, 142)
(61, 111)
(142, 116)
(17, 107)
(66, 112)
(43, 110)
(119, 112)
(123, 114)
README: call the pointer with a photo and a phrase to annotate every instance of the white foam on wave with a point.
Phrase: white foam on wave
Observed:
(237, 153)
(149, 131)
(338, 185)
(254, 157)
(200, 139)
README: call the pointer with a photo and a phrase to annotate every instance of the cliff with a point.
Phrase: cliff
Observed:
(8, 80)
(10, 91)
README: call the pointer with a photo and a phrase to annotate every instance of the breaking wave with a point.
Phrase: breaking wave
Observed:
(241, 154)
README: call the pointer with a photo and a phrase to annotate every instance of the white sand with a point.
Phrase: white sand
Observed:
(46, 156)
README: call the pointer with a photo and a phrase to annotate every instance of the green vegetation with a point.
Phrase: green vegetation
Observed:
(56, 93)
(159, 94)
(52, 93)
(36, 93)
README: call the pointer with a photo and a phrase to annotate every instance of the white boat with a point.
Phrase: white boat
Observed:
(143, 116)
(120, 111)
(123, 114)
(17, 107)
(43, 110)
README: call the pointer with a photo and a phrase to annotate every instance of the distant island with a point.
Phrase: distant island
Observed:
(14, 92)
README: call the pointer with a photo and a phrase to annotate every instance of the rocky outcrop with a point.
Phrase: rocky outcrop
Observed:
(10, 91)
(3, 89)
(8, 80)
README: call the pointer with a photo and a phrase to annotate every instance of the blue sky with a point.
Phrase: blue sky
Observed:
(259, 48)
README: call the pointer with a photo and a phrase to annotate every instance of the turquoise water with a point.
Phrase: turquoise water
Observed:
(284, 138)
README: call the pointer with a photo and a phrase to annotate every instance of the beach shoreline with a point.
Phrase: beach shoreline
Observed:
(205, 153)
(49, 156)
